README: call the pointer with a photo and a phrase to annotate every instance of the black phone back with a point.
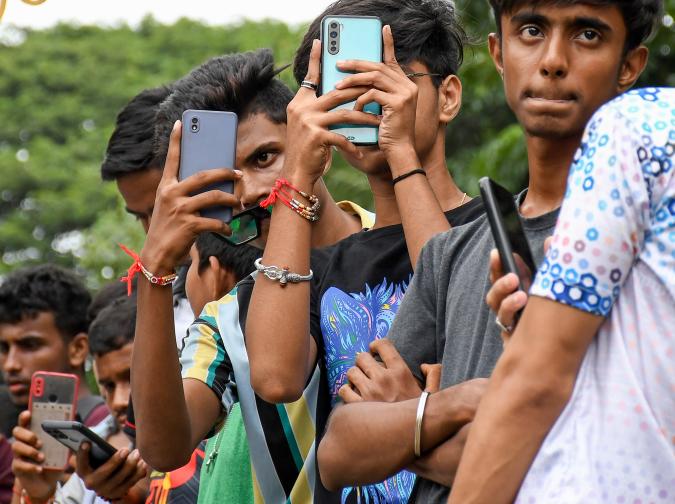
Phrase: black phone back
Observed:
(73, 434)
(506, 226)
(208, 141)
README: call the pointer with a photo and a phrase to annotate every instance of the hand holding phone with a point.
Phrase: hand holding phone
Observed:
(512, 245)
(72, 434)
(53, 396)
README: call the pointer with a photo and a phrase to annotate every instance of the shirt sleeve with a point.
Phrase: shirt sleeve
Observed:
(602, 223)
(203, 357)
(413, 332)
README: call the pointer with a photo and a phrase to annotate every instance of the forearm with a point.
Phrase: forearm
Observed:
(417, 205)
(354, 452)
(440, 464)
(277, 327)
(514, 417)
(164, 440)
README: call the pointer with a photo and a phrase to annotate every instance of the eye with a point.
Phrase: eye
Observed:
(531, 32)
(265, 158)
(4, 348)
(589, 35)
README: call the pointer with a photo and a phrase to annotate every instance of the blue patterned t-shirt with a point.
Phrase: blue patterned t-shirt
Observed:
(613, 255)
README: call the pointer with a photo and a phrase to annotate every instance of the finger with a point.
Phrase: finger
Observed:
(22, 468)
(524, 271)
(126, 471)
(200, 180)
(366, 363)
(496, 270)
(387, 351)
(388, 51)
(503, 287)
(357, 378)
(172, 163)
(82, 466)
(374, 95)
(26, 436)
(510, 306)
(379, 80)
(211, 198)
(432, 375)
(346, 116)
(27, 452)
(337, 97)
(207, 225)
(24, 419)
(349, 395)
(339, 141)
(95, 480)
(313, 69)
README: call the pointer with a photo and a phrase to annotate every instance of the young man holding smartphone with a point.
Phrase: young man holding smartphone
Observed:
(209, 386)
(560, 62)
(359, 283)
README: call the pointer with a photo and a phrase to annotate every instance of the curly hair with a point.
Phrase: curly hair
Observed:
(26, 293)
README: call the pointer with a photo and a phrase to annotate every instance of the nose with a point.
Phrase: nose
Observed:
(249, 193)
(120, 398)
(554, 62)
(12, 363)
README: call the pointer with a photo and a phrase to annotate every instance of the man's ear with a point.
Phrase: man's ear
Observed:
(632, 67)
(78, 349)
(449, 98)
(495, 47)
(223, 279)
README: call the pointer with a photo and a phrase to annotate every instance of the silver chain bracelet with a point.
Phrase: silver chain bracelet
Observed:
(281, 275)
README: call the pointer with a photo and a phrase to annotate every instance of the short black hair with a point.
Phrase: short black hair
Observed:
(113, 327)
(238, 258)
(640, 16)
(27, 292)
(427, 31)
(131, 148)
(243, 83)
(107, 295)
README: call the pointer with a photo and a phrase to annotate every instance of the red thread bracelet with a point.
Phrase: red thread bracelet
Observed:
(137, 267)
(311, 213)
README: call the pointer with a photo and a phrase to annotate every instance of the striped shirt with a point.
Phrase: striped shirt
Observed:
(281, 437)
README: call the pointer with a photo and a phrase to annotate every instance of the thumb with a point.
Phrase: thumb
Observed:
(432, 375)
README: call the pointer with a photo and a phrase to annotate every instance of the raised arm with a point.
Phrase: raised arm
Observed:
(281, 352)
(166, 441)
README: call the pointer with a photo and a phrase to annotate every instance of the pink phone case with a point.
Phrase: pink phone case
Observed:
(53, 396)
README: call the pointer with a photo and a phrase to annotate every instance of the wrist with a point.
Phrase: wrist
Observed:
(401, 160)
(157, 263)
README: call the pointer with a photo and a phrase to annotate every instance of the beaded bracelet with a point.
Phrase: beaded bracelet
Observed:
(311, 213)
(137, 267)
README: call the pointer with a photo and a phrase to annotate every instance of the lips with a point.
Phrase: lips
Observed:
(550, 96)
(18, 387)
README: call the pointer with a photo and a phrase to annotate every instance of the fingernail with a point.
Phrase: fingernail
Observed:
(134, 455)
(176, 125)
(41, 457)
(238, 173)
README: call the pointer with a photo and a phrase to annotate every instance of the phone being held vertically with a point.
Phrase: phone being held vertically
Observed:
(507, 229)
(350, 38)
(53, 396)
(208, 141)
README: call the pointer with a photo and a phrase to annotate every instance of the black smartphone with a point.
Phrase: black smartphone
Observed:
(208, 141)
(73, 434)
(507, 228)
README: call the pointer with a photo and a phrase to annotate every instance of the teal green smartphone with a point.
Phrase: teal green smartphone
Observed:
(350, 38)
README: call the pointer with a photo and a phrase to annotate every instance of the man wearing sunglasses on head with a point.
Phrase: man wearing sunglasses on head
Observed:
(210, 382)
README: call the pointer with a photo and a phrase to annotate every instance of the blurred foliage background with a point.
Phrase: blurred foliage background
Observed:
(61, 88)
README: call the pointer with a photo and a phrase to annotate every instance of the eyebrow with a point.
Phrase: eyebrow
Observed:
(590, 22)
(530, 17)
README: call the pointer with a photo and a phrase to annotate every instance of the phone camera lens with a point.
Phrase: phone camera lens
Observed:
(194, 127)
(333, 25)
(333, 34)
(194, 120)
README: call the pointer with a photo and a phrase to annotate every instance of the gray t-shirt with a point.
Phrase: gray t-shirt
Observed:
(444, 318)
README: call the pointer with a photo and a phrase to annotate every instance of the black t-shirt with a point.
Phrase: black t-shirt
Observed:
(357, 288)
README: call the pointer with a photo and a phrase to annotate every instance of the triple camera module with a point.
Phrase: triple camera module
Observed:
(195, 125)
(334, 38)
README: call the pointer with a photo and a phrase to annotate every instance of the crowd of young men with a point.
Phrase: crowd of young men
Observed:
(395, 371)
